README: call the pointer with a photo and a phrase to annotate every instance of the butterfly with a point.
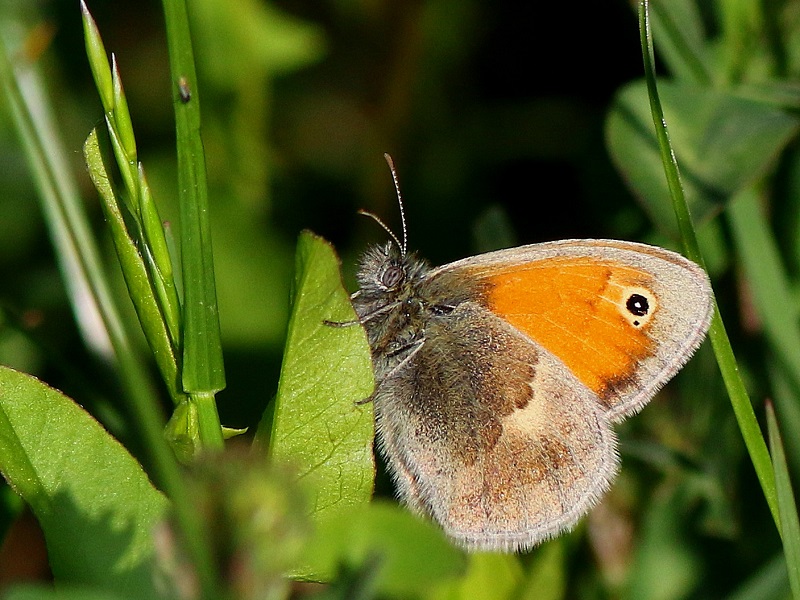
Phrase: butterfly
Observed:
(499, 377)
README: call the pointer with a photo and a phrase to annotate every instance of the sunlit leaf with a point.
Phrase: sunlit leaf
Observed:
(317, 424)
(488, 576)
(94, 502)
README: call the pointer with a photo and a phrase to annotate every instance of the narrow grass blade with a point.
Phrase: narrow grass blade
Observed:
(769, 582)
(680, 30)
(76, 251)
(785, 393)
(143, 224)
(773, 299)
(134, 271)
(96, 52)
(767, 278)
(203, 370)
(160, 263)
(72, 235)
(790, 524)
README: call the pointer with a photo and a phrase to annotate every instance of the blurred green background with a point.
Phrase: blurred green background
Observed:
(495, 113)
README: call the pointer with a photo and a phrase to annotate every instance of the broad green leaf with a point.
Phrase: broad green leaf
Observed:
(722, 142)
(94, 502)
(405, 555)
(790, 524)
(782, 94)
(317, 424)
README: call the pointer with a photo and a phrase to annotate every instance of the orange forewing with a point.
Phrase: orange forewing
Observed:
(571, 306)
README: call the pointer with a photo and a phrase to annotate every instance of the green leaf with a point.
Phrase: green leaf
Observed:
(547, 574)
(122, 117)
(783, 386)
(790, 524)
(768, 582)
(723, 143)
(318, 425)
(404, 555)
(134, 270)
(94, 502)
(740, 401)
(159, 261)
(666, 564)
(256, 39)
(767, 278)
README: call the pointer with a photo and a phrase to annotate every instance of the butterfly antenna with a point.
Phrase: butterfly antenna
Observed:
(390, 162)
(377, 219)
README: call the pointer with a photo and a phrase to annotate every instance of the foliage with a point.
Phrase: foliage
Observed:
(495, 127)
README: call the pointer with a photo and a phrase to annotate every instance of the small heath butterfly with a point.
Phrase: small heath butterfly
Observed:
(499, 376)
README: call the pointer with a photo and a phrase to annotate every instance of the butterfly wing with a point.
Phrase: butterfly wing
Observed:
(498, 424)
(492, 436)
(623, 317)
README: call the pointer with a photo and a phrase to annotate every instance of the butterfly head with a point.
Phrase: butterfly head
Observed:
(386, 271)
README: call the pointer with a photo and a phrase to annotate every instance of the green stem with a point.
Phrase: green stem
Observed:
(202, 348)
(207, 419)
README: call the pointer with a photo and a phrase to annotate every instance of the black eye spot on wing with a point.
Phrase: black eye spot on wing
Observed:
(638, 306)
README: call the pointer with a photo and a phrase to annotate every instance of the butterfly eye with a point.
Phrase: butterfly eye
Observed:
(392, 276)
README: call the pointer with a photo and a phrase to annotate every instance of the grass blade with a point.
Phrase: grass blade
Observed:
(203, 370)
(134, 271)
(790, 524)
